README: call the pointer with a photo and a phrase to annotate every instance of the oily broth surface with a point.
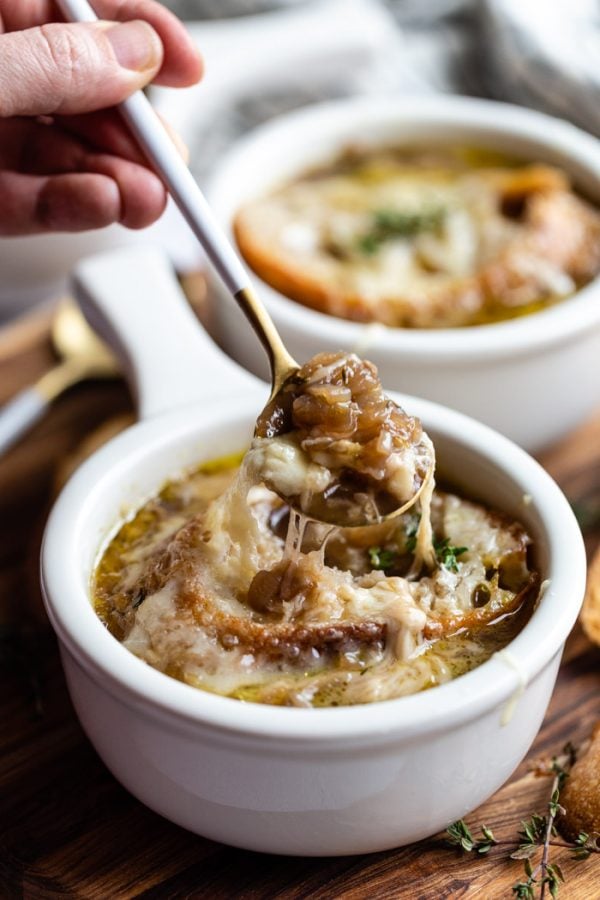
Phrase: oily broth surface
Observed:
(179, 500)
(444, 660)
(182, 499)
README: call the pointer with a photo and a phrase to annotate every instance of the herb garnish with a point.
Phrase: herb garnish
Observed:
(390, 223)
(411, 534)
(537, 832)
(382, 559)
(459, 835)
(447, 554)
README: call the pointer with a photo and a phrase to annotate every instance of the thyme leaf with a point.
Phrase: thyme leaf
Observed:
(586, 844)
(447, 554)
(411, 534)
(459, 835)
(382, 559)
(391, 223)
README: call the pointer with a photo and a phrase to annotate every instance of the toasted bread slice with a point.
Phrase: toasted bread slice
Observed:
(423, 248)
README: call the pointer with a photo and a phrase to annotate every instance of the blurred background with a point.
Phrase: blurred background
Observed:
(264, 57)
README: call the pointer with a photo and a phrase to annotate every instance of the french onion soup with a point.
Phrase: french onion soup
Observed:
(219, 583)
(421, 237)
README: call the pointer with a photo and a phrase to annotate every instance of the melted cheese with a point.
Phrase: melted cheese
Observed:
(174, 590)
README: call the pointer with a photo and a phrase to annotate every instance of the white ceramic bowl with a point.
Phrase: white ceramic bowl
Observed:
(548, 361)
(300, 781)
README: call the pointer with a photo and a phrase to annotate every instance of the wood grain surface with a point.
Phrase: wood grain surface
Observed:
(68, 829)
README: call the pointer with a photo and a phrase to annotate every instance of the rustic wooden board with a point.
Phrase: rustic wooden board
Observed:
(67, 828)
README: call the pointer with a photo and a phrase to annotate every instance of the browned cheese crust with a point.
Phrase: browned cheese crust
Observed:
(271, 640)
(262, 634)
(474, 619)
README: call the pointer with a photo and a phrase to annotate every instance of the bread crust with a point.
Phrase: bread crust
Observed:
(590, 614)
(581, 793)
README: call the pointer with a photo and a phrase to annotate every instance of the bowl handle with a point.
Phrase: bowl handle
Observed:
(131, 297)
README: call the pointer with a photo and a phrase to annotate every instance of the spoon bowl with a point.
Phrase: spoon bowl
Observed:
(336, 449)
(347, 509)
(72, 338)
(80, 354)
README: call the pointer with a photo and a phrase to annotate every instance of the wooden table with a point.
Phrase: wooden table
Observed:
(68, 829)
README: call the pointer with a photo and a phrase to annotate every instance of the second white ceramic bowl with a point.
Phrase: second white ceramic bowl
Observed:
(282, 780)
(533, 379)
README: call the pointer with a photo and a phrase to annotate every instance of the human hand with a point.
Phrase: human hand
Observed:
(67, 162)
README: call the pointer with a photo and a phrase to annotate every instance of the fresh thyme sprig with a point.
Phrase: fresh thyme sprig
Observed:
(537, 833)
(411, 534)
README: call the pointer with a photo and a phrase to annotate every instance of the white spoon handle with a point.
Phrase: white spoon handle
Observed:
(162, 153)
(19, 414)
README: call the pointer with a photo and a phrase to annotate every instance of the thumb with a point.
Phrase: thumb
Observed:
(75, 68)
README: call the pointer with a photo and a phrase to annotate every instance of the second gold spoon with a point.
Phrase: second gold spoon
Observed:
(81, 354)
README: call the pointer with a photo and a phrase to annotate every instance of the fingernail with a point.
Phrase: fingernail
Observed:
(136, 45)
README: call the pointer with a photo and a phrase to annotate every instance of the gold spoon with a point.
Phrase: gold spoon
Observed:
(282, 363)
(82, 355)
(161, 152)
(81, 352)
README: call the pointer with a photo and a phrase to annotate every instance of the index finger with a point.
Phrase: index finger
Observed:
(182, 63)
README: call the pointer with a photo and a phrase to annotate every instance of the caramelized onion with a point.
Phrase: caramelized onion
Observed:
(363, 456)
